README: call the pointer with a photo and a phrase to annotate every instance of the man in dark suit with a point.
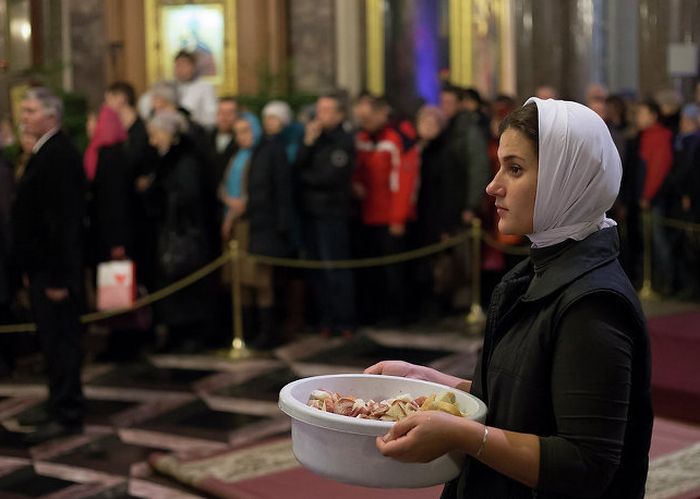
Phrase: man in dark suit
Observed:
(221, 140)
(48, 212)
(220, 148)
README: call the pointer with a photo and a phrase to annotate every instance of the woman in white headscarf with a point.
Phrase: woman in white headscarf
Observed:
(565, 366)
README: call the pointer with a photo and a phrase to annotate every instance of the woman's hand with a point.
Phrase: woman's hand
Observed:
(406, 370)
(227, 227)
(423, 436)
(398, 368)
(117, 253)
(143, 183)
(359, 191)
(237, 205)
(397, 230)
(56, 294)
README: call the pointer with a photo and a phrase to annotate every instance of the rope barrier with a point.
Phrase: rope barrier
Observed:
(405, 256)
(280, 262)
(679, 224)
(141, 302)
(360, 262)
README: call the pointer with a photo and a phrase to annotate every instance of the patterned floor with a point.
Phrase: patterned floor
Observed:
(214, 424)
(173, 404)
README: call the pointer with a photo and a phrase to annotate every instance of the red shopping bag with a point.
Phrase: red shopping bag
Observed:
(116, 284)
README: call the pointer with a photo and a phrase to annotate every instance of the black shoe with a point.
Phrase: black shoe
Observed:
(50, 431)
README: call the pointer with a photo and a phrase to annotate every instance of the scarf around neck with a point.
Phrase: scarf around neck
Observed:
(234, 178)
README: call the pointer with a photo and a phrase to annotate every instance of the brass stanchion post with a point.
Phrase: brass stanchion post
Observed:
(238, 349)
(476, 313)
(647, 292)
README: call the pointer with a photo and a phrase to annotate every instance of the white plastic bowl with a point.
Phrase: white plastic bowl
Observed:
(344, 449)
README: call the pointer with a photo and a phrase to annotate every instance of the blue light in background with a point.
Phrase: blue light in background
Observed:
(426, 49)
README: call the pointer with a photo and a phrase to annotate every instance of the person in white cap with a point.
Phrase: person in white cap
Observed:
(565, 367)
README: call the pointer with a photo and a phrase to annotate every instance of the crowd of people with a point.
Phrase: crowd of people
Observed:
(172, 176)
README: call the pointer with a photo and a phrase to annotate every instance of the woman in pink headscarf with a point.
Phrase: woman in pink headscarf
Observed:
(106, 170)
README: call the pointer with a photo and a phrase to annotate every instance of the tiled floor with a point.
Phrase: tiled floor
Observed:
(204, 405)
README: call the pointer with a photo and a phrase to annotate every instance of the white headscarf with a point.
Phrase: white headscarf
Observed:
(578, 176)
(280, 109)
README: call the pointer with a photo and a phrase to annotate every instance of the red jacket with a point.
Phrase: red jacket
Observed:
(656, 150)
(388, 175)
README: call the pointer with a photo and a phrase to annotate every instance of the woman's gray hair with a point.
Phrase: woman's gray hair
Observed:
(171, 122)
(52, 105)
(165, 90)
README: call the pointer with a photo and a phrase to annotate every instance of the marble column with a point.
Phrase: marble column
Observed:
(623, 46)
(125, 42)
(262, 46)
(88, 49)
(542, 44)
(313, 50)
(348, 46)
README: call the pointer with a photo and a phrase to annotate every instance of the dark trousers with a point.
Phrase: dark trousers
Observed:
(60, 336)
(385, 288)
(333, 289)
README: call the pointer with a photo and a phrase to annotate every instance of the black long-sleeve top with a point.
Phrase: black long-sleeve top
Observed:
(566, 358)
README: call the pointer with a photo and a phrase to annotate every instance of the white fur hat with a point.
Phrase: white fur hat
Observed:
(280, 109)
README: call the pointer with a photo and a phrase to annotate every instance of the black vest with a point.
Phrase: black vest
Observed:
(513, 374)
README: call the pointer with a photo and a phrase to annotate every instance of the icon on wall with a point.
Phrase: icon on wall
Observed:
(205, 28)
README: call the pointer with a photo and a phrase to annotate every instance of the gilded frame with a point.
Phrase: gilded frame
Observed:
(471, 41)
(164, 30)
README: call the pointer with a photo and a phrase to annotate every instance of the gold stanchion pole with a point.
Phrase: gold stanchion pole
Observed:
(647, 292)
(476, 313)
(238, 349)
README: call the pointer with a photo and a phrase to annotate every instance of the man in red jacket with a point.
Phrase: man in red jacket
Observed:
(656, 156)
(384, 181)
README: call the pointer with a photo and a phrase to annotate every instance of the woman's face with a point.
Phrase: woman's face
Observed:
(515, 185)
(91, 124)
(272, 125)
(160, 139)
(645, 117)
(244, 134)
(427, 127)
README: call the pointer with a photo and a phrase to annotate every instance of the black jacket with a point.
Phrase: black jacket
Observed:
(683, 179)
(177, 201)
(177, 194)
(48, 213)
(7, 184)
(469, 144)
(441, 194)
(325, 170)
(269, 190)
(110, 196)
(140, 156)
(566, 357)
